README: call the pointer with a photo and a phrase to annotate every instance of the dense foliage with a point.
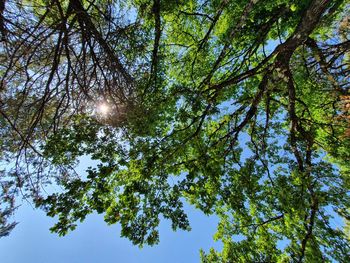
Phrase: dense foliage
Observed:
(240, 108)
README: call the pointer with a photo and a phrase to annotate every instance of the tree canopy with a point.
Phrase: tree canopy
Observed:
(240, 108)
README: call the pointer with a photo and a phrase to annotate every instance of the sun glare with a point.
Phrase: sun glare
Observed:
(103, 108)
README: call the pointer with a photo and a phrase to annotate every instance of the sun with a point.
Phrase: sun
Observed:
(103, 108)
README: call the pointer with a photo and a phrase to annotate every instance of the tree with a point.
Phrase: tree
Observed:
(237, 107)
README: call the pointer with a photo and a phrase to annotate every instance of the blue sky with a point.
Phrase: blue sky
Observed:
(95, 241)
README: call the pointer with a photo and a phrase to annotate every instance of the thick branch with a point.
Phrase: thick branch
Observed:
(285, 50)
(309, 228)
(2, 23)
(157, 35)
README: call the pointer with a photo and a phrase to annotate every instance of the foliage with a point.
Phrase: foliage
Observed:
(237, 107)
(7, 206)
